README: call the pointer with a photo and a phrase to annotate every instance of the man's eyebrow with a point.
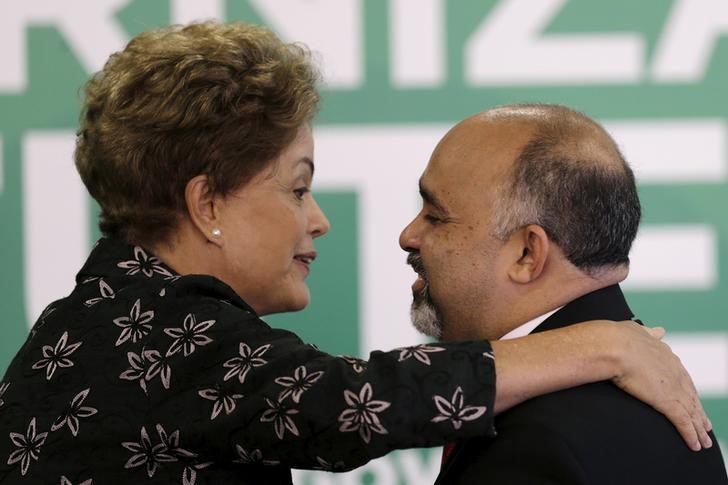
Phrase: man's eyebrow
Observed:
(431, 199)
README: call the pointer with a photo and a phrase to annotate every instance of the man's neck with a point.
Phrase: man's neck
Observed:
(551, 293)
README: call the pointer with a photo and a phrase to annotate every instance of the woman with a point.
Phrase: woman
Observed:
(196, 143)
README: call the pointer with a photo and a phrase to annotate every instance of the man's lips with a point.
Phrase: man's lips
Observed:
(415, 261)
(418, 285)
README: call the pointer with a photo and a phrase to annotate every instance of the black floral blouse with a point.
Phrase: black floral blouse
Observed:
(144, 376)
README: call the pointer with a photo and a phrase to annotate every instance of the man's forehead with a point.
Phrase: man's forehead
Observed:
(433, 195)
(478, 150)
(471, 162)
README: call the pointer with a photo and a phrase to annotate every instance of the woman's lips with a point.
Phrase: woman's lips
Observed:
(305, 260)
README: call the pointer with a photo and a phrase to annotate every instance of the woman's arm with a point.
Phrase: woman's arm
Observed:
(630, 355)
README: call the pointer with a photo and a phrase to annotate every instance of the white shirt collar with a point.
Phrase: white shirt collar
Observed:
(529, 326)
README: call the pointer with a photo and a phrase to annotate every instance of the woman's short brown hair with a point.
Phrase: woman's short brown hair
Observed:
(210, 98)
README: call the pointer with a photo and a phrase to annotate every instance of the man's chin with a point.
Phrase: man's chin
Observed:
(425, 319)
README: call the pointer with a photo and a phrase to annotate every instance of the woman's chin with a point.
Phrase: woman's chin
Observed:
(298, 305)
(302, 301)
(295, 303)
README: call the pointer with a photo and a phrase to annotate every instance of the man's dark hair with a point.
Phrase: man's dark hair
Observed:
(571, 179)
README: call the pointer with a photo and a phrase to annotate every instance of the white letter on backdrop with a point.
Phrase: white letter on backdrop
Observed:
(417, 52)
(691, 32)
(89, 28)
(332, 28)
(509, 47)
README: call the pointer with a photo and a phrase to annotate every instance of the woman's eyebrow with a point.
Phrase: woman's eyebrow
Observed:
(308, 162)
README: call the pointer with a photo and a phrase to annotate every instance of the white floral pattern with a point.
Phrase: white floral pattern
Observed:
(137, 370)
(362, 416)
(28, 447)
(136, 326)
(189, 474)
(3, 387)
(255, 456)
(170, 279)
(144, 453)
(189, 336)
(75, 411)
(339, 466)
(143, 263)
(158, 365)
(145, 366)
(280, 415)
(240, 366)
(358, 365)
(171, 442)
(46, 313)
(66, 481)
(105, 291)
(223, 400)
(455, 410)
(41, 320)
(419, 352)
(296, 385)
(54, 357)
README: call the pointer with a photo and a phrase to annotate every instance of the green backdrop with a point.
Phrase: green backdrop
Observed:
(398, 73)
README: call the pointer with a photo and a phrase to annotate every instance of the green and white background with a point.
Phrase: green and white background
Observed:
(398, 74)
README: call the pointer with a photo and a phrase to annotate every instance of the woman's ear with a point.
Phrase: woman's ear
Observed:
(534, 245)
(203, 208)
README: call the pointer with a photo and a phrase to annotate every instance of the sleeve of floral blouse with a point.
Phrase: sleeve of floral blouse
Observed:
(262, 395)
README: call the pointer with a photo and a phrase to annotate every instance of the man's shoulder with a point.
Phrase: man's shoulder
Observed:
(594, 434)
(605, 431)
(582, 414)
(603, 400)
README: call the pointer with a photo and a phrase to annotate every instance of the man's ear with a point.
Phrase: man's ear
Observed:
(533, 244)
(203, 210)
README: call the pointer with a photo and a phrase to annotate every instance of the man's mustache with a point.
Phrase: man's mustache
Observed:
(415, 260)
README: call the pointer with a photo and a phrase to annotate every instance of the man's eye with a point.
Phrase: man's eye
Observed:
(300, 192)
(432, 219)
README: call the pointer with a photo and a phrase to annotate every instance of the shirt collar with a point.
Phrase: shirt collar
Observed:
(529, 326)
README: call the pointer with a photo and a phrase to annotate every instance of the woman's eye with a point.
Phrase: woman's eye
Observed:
(432, 219)
(300, 192)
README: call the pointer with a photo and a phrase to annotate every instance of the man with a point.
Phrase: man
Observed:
(529, 212)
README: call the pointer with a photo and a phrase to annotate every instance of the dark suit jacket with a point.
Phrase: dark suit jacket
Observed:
(592, 434)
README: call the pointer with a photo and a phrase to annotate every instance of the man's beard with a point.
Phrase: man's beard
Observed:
(423, 312)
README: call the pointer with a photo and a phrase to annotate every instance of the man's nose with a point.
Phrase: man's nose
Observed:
(408, 239)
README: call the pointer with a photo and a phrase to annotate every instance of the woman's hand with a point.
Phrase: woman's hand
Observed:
(654, 374)
(632, 356)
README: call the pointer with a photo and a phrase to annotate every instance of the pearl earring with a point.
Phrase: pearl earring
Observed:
(216, 232)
